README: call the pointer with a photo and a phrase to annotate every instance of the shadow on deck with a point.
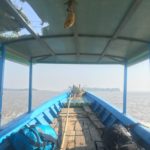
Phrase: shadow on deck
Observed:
(84, 130)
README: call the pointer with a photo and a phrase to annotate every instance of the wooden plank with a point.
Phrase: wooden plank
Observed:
(92, 117)
(82, 124)
(74, 115)
(98, 124)
(87, 109)
(70, 133)
(80, 142)
(86, 124)
(78, 126)
(65, 143)
(83, 130)
(66, 126)
(62, 118)
(71, 126)
(70, 142)
(79, 111)
(55, 123)
(71, 138)
(94, 134)
(99, 145)
(78, 119)
(79, 133)
(56, 130)
(73, 111)
(89, 142)
(62, 125)
(70, 145)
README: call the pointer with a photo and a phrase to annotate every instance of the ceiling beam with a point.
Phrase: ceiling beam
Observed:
(84, 63)
(76, 35)
(28, 38)
(93, 54)
(20, 19)
(72, 35)
(118, 59)
(128, 14)
(76, 41)
(114, 59)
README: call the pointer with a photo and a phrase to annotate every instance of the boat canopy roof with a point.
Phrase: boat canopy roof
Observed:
(105, 32)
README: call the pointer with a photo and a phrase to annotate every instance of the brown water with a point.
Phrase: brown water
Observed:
(15, 103)
(138, 103)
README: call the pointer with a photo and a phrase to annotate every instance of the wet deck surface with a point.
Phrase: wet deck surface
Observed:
(84, 130)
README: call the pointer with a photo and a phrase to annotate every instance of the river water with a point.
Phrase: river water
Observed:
(138, 103)
(15, 103)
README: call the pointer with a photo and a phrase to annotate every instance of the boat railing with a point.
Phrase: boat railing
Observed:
(141, 132)
(43, 114)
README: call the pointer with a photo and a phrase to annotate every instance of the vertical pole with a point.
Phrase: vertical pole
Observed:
(2, 63)
(125, 89)
(30, 87)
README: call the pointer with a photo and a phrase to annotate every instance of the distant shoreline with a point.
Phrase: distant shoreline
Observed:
(19, 89)
(26, 90)
(85, 88)
(102, 89)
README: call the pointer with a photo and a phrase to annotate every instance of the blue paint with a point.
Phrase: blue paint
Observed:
(60, 105)
(40, 119)
(30, 88)
(2, 64)
(109, 115)
(53, 112)
(99, 111)
(33, 122)
(48, 117)
(109, 122)
(56, 107)
(105, 116)
(140, 132)
(95, 108)
(26, 118)
(125, 89)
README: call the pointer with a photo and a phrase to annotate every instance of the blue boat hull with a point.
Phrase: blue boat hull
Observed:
(109, 115)
(46, 113)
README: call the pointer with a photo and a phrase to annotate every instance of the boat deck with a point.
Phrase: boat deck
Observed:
(83, 132)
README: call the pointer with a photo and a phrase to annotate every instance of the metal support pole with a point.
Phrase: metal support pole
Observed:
(125, 89)
(30, 88)
(2, 63)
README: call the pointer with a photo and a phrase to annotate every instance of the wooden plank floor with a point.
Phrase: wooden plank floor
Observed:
(83, 132)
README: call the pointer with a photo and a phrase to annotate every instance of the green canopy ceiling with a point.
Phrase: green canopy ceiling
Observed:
(105, 32)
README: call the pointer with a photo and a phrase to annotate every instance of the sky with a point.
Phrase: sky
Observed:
(58, 77)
